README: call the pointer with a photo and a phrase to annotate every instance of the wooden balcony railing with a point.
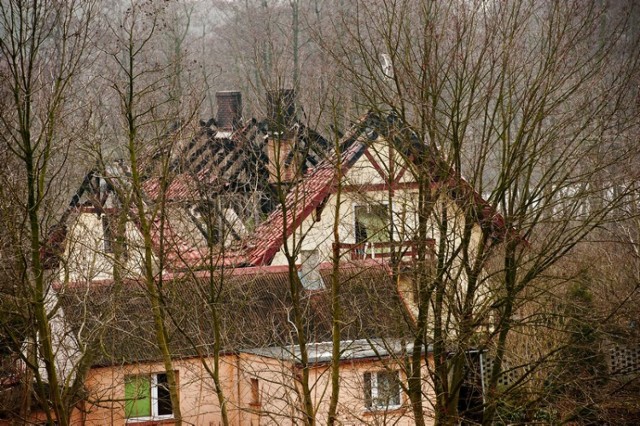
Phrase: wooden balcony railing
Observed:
(404, 250)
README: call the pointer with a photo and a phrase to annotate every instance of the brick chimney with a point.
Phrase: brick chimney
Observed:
(284, 160)
(229, 110)
(281, 109)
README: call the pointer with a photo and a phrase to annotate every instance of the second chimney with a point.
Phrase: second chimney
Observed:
(229, 110)
(284, 158)
(281, 109)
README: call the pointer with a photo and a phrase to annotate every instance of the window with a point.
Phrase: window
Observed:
(111, 239)
(107, 234)
(470, 401)
(372, 223)
(372, 230)
(255, 392)
(382, 390)
(147, 397)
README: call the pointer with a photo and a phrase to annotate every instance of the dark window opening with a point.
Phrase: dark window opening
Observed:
(372, 224)
(470, 402)
(164, 397)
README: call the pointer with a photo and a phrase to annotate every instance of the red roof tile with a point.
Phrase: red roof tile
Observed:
(300, 202)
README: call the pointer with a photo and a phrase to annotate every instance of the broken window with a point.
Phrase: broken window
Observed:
(147, 397)
(372, 224)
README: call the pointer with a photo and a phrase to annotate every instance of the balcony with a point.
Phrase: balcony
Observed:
(403, 250)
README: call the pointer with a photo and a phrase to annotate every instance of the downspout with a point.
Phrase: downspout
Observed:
(83, 414)
(238, 389)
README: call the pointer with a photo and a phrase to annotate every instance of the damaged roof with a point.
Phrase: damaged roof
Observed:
(219, 160)
(235, 160)
(306, 196)
(311, 191)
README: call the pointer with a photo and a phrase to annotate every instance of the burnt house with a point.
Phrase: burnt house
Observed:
(216, 182)
(251, 187)
(238, 171)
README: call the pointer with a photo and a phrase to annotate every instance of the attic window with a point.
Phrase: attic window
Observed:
(317, 213)
(111, 238)
(372, 224)
(107, 234)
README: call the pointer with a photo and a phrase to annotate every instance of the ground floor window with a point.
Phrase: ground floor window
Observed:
(147, 397)
(382, 390)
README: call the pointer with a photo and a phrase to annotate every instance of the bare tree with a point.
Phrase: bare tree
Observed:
(43, 49)
(526, 101)
(155, 112)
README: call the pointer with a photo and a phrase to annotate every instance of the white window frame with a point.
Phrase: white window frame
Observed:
(375, 403)
(153, 380)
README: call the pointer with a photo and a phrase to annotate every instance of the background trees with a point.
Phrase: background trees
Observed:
(156, 106)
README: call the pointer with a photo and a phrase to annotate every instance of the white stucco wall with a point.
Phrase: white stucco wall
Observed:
(363, 185)
(85, 258)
